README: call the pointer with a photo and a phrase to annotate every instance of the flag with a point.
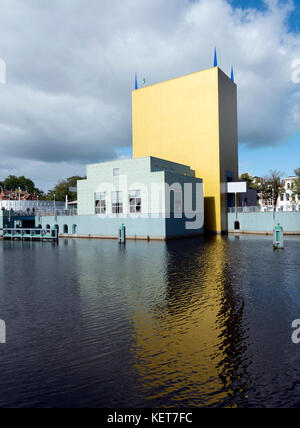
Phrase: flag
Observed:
(216, 59)
(232, 74)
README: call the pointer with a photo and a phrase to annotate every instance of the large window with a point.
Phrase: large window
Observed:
(117, 202)
(100, 203)
(135, 202)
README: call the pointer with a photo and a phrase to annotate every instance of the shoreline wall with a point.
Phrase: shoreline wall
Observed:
(264, 223)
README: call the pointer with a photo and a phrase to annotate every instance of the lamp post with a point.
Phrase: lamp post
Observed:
(54, 205)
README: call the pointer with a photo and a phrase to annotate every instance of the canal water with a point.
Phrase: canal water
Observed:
(190, 323)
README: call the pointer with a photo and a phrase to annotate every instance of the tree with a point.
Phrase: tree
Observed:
(25, 184)
(271, 187)
(62, 189)
(251, 182)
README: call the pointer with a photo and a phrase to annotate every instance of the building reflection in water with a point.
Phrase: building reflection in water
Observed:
(190, 338)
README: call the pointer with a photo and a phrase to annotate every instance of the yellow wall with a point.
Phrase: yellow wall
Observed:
(192, 120)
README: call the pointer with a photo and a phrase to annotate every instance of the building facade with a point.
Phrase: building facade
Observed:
(153, 198)
(288, 201)
(193, 120)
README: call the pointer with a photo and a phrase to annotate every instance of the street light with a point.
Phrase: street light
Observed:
(54, 206)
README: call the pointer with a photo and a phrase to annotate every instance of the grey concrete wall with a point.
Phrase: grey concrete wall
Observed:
(264, 222)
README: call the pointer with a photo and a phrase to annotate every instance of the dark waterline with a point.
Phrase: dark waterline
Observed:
(204, 322)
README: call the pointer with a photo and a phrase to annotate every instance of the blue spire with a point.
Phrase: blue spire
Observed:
(232, 74)
(216, 59)
(136, 86)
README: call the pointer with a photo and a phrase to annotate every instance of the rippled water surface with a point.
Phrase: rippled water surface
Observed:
(204, 322)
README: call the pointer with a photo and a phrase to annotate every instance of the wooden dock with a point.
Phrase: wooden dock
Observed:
(29, 234)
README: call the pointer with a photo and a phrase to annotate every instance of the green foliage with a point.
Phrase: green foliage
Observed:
(252, 184)
(271, 187)
(25, 184)
(62, 189)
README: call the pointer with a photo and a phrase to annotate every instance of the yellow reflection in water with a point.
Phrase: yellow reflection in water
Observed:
(180, 327)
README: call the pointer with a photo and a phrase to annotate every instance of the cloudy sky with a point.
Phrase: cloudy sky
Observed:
(71, 64)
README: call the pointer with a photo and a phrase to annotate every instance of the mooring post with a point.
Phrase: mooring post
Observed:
(278, 238)
(122, 234)
(2, 332)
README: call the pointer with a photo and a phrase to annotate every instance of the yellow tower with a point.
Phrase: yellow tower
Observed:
(192, 120)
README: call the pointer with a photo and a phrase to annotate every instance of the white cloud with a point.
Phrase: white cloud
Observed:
(70, 67)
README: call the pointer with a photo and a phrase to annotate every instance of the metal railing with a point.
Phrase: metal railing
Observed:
(57, 213)
(267, 209)
(32, 234)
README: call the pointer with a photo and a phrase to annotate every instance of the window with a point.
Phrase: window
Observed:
(100, 203)
(117, 202)
(156, 168)
(135, 202)
(282, 197)
(287, 197)
(172, 171)
(116, 172)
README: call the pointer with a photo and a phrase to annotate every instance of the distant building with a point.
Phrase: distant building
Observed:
(288, 201)
(27, 203)
(17, 195)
